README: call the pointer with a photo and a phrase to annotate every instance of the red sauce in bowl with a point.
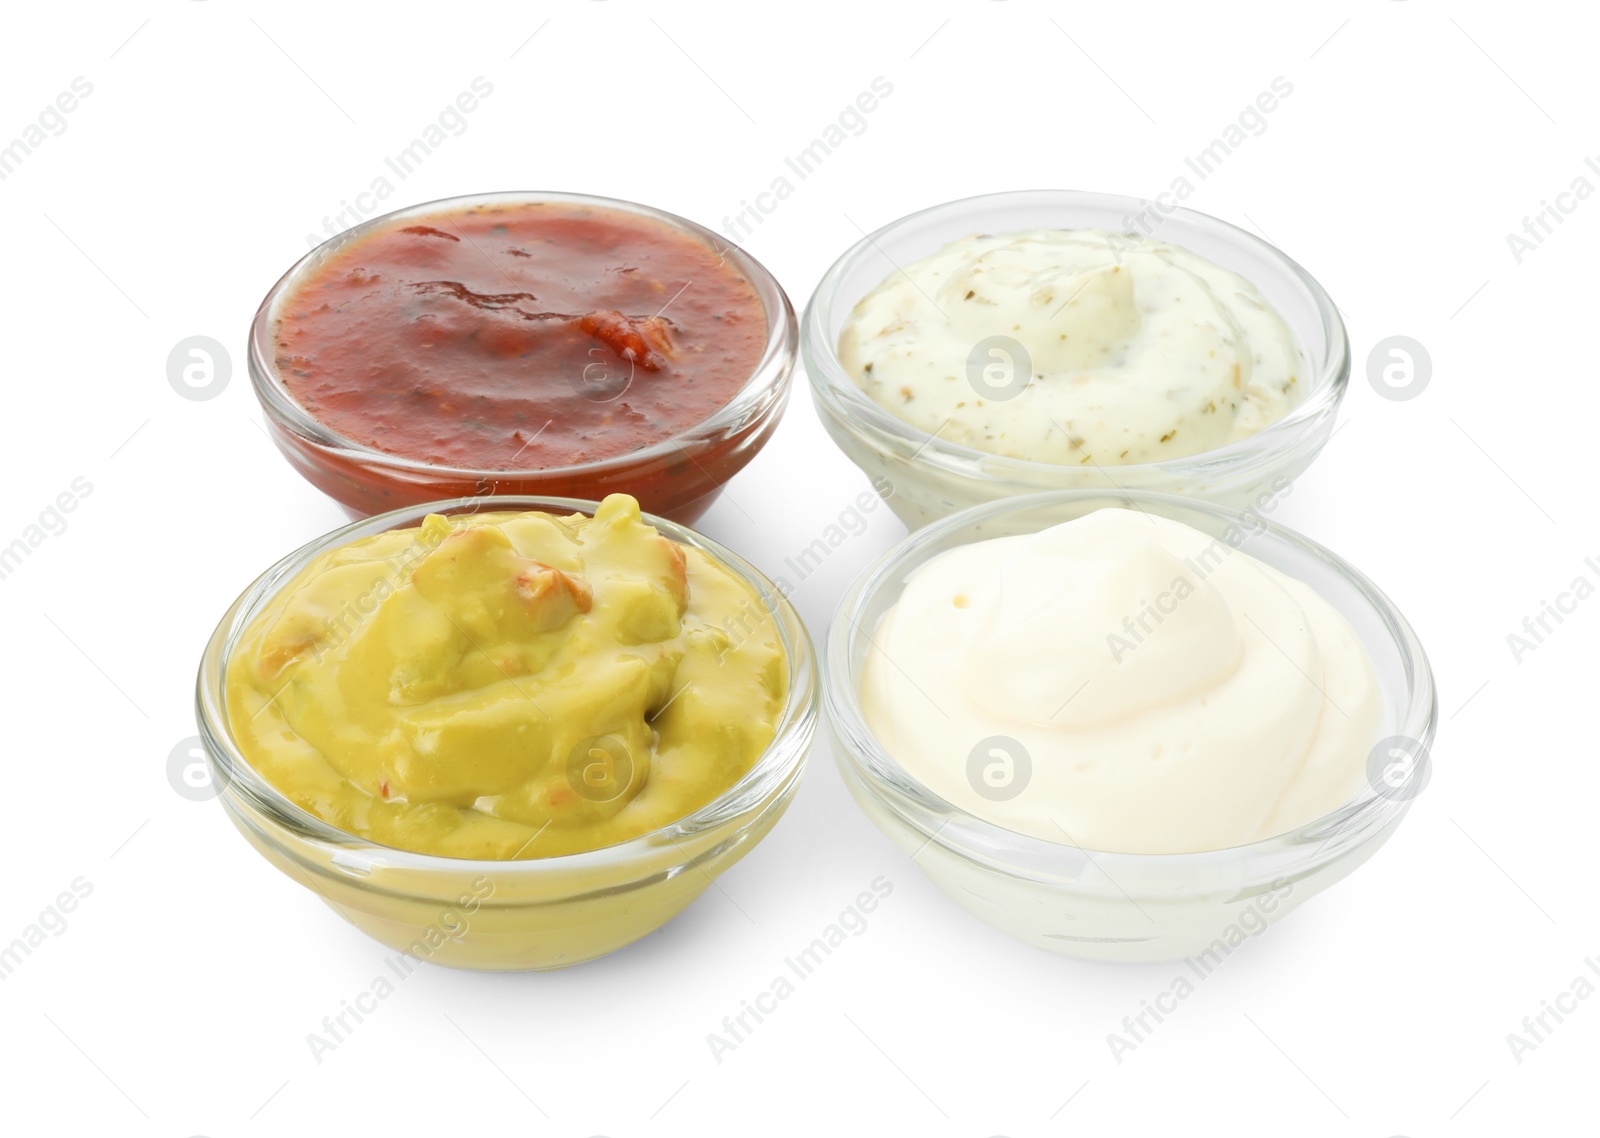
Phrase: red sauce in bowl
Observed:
(543, 344)
(518, 336)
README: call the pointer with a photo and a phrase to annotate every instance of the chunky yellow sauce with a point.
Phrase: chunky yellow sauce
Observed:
(508, 685)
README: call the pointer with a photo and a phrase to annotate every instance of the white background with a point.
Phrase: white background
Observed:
(179, 997)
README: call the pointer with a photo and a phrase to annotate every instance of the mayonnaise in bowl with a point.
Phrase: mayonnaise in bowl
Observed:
(1126, 726)
(1170, 694)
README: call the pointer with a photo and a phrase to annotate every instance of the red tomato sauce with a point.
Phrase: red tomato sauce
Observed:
(518, 337)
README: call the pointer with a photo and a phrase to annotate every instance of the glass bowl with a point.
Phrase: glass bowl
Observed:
(933, 478)
(539, 913)
(1118, 906)
(678, 477)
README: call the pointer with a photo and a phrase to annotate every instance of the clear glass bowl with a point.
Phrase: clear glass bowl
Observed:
(1116, 906)
(539, 913)
(933, 478)
(678, 477)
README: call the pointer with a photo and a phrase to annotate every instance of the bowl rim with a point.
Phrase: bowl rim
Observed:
(1363, 814)
(833, 387)
(767, 378)
(748, 799)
